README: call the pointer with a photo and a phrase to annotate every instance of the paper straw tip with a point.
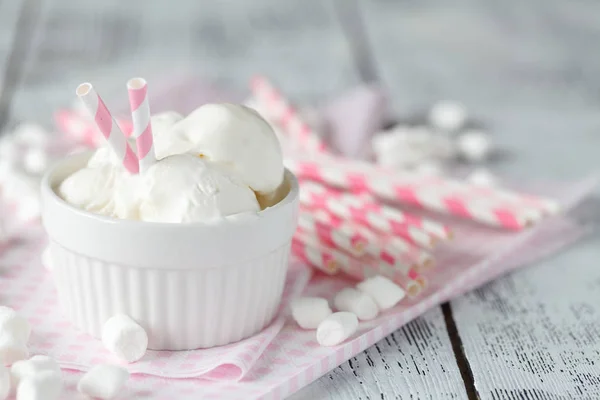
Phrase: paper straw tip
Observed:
(136, 83)
(84, 89)
(413, 289)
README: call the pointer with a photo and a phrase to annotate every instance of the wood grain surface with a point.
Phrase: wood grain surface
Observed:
(529, 70)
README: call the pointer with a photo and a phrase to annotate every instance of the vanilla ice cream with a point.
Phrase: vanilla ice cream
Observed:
(205, 191)
(221, 160)
(238, 138)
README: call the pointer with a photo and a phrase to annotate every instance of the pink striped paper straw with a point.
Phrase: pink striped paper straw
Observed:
(399, 265)
(408, 252)
(286, 115)
(364, 201)
(81, 128)
(142, 128)
(339, 223)
(429, 193)
(364, 212)
(391, 249)
(314, 256)
(108, 126)
(359, 269)
(343, 237)
(406, 259)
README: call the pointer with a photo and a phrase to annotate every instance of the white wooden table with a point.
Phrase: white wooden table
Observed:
(529, 69)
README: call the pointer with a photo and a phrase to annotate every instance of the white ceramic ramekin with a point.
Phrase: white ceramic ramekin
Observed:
(189, 285)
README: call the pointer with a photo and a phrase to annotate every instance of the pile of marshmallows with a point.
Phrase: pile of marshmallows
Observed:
(25, 153)
(39, 377)
(433, 146)
(361, 303)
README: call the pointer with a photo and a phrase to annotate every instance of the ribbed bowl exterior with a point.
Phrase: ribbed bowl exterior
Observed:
(179, 308)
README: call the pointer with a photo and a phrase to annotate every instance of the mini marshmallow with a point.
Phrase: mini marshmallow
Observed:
(31, 134)
(308, 312)
(356, 302)
(4, 382)
(448, 116)
(46, 385)
(35, 160)
(474, 146)
(14, 324)
(34, 366)
(47, 259)
(103, 381)
(336, 328)
(125, 338)
(481, 177)
(383, 291)
(12, 349)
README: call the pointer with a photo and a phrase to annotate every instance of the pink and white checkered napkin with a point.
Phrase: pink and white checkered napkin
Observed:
(283, 358)
(28, 288)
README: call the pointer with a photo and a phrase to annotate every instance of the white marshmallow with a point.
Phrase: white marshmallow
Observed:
(103, 381)
(336, 328)
(4, 382)
(356, 302)
(47, 259)
(482, 177)
(308, 312)
(12, 349)
(34, 366)
(35, 160)
(448, 116)
(474, 146)
(125, 338)
(46, 385)
(13, 324)
(385, 292)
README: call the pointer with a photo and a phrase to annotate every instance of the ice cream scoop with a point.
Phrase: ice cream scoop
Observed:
(238, 138)
(214, 163)
(91, 188)
(186, 188)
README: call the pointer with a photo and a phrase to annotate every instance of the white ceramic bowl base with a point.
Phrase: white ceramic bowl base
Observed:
(189, 285)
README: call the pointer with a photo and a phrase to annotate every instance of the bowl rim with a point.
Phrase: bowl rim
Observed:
(49, 194)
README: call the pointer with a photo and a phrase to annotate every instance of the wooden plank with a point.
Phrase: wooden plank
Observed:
(536, 333)
(415, 362)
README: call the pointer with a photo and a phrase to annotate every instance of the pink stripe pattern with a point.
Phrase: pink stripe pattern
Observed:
(142, 127)
(371, 214)
(342, 237)
(324, 257)
(499, 208)
(108, 126)
(287, 116)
